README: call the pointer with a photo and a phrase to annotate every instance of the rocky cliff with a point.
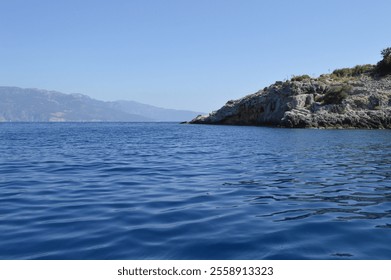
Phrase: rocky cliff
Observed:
(347, 98)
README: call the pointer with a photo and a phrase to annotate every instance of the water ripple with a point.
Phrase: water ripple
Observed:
(166, 191)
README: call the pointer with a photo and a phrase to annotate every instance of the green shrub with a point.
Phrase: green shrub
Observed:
(363, 69)
(383, 67)
(300, 78)
(353, 72)
(344, 72)
(360, 103)
(336, 95)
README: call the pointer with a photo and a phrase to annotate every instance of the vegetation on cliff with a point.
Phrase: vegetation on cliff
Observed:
(337, 94)
(383, 67)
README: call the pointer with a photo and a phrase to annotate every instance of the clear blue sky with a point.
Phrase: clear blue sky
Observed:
(183, 54)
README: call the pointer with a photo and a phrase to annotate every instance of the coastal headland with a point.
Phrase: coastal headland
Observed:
(358, 97)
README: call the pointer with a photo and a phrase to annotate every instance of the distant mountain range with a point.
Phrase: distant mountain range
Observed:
(37, 105)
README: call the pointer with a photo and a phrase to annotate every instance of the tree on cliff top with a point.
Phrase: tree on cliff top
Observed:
(383, 67)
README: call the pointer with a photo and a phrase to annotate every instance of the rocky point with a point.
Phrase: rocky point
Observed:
(358, 97)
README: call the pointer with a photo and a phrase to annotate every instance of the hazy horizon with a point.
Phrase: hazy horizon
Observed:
(189, 55)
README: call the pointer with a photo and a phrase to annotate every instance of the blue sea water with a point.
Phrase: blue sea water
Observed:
(170, 191)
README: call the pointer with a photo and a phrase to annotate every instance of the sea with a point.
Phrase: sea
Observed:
(136, 191)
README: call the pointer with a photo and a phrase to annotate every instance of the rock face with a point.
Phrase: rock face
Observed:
(324, 102)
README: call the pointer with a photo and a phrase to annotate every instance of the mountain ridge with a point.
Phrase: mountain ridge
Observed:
(40, 105)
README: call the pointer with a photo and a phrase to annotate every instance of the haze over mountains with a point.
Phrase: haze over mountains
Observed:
(37, 105)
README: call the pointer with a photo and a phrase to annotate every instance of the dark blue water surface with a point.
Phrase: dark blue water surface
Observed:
(170, 191)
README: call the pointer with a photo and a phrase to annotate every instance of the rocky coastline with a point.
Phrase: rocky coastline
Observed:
(347, 98)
